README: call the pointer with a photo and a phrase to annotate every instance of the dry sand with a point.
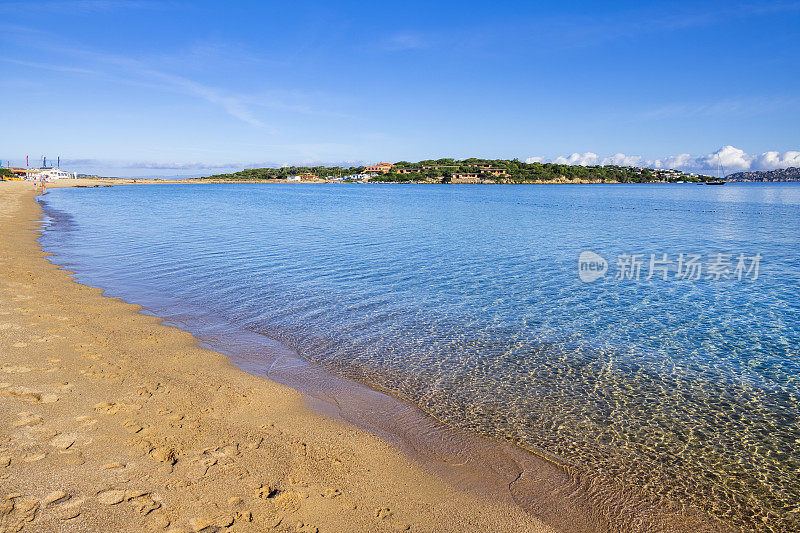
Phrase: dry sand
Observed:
(111, 421)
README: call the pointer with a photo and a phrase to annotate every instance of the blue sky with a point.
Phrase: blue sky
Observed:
(172, 87)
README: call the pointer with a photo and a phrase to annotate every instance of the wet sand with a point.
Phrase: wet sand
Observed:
(112, 420)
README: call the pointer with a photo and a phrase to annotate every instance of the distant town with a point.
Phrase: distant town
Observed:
(470, 171)
(784, 174)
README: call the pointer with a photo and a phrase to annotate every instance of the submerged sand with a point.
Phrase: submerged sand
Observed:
(111, 420)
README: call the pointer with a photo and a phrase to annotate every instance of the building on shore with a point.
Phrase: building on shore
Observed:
(37, 174)
(383, 168)
(57, 174)
(496, 171)
(302, 177)
(361, 177)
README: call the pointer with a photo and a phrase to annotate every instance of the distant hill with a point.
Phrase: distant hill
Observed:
(785, 174)
(472, 170)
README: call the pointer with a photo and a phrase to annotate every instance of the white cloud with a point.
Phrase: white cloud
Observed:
(772, 160)
(623, 160)
(681, 161)
(585, 159)
(730, 158)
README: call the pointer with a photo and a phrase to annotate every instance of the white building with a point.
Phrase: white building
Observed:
(56, 174)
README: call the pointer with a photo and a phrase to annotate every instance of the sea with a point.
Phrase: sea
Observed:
(647, 334)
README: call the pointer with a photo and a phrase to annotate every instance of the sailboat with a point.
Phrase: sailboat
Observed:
(718, 180)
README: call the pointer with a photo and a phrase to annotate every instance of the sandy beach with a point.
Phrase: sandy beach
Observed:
(112, 421)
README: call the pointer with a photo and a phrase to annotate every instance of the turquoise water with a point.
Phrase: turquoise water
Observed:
(467, 301)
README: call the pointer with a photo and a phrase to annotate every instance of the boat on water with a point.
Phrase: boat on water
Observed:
(720, 172)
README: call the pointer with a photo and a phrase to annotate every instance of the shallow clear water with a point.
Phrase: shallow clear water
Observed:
(467, 301)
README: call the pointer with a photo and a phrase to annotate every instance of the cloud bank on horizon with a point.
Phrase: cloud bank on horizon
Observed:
(728, 157)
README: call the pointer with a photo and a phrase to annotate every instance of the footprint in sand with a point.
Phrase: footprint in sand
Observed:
(56, 497)
(87, 422)
(69, 514)
(63, 441)
(132, 425)
(200, 467)
(144, 502)
(25, 393)
(28, 419)
(112, 408)
(202, 524)
(17, 511)
(216, 523)
(72, 458)
(111, 497)
(69, 508)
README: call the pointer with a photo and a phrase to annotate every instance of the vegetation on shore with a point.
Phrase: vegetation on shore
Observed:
(259, 174)
(480, 170)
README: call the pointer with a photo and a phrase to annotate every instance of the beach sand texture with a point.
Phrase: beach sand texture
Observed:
(112, 421)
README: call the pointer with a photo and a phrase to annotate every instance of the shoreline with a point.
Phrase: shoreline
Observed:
(431, 484)
(113, 182)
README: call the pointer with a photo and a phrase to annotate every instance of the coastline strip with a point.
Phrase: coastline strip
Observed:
(112, 420)
(211, 440)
